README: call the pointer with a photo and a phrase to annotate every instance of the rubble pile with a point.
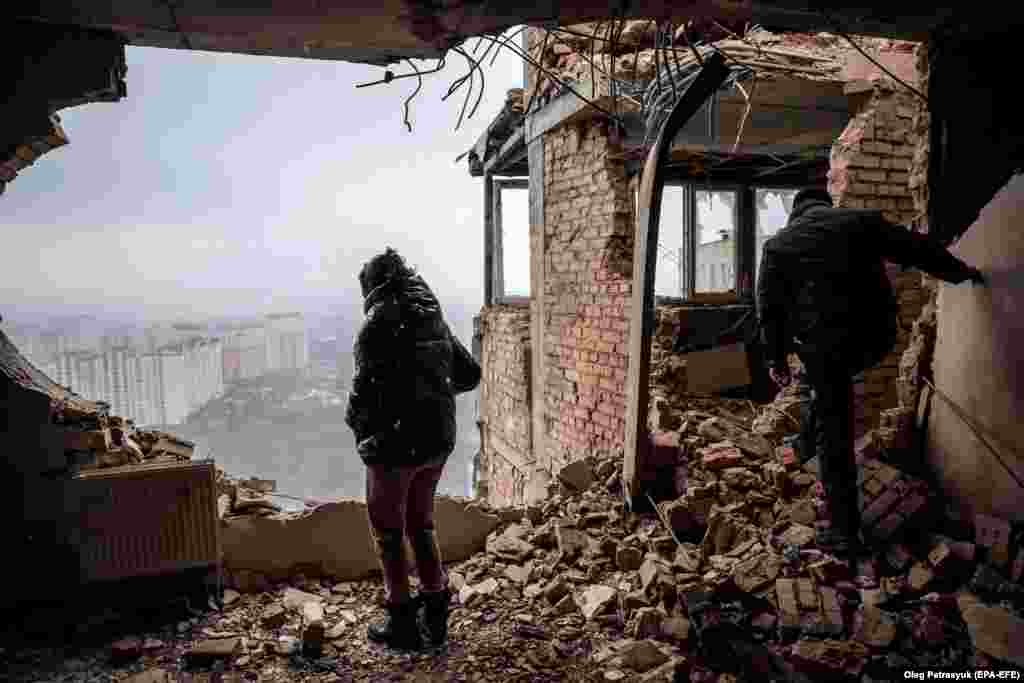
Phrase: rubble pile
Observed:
(94, 439)
(633, 58)
(720, 581)
(245, 496)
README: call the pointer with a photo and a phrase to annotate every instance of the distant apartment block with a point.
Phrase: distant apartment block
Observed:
(287, 342)
(167, 372)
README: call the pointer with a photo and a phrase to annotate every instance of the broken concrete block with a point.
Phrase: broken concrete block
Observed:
(993, 630)
(676, 669)
(740, 478)
(675, 629)
(649, 571)
(556, 589)
(890, 501)
(874, 627)
(510, 546)
(718, 429)
(274, 616)
(688, 558)
(217, 648)
(680, 517)
(642, 655)
(518, 574)
(756, 572)
(596, 599)
(806, 608)
(275, 545)
(778, 477)
(294, 599)
(786, 456)
(312, 626)
(829, 658)
(799, 535)
(571, 542)
(577, 475)
(628, 558)
(648, 623)
(719, 456)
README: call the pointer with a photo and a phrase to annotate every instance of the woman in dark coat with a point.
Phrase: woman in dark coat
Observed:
(402, 411)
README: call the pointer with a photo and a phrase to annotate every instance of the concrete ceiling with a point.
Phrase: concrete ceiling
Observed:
(386, 31)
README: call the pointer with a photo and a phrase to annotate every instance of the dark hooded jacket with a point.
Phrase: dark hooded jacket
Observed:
(401, 406)
(822, 281)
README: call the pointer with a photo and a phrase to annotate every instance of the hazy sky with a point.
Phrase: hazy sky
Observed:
(230, 184)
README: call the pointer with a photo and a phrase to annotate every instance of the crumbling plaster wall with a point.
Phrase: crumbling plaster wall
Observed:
(979, 364)
(969, 340)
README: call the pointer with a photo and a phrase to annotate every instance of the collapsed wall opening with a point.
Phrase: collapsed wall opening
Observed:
(814, 111)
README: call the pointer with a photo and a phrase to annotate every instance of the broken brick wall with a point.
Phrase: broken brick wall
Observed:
(870, 169)
(588, 266)
(505, 403)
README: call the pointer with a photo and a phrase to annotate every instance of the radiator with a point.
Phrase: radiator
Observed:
(146, 519)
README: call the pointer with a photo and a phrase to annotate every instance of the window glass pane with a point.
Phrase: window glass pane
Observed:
(515, 241)
(668, 277)
(716, 240)
(773, 209)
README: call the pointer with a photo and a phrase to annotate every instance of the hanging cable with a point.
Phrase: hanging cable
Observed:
(977, 432)
(405, 106)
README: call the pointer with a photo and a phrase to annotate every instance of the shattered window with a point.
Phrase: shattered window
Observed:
(668, 279)
(773, 209)
(716, 240)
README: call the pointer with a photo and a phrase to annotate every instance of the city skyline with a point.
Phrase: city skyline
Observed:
(162, 374)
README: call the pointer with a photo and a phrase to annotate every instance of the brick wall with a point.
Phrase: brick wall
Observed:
(870, 169)
(588, 261)
(504, 403)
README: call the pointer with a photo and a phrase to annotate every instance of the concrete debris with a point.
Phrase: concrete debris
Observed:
(577, 475)
(733, 580)
(993, 630)
(596, 599)
(642, 655)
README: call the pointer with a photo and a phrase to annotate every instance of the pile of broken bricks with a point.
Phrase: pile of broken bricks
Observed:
(96, 441)
(721, 582)
(245, 496)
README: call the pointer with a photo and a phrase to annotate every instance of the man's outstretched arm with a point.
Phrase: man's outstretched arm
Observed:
(907, 248)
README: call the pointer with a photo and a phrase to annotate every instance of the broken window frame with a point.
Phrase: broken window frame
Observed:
(745, 254)
(494, 240)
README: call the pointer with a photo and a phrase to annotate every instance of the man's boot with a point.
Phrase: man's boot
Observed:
(435, 614)
(399, 629)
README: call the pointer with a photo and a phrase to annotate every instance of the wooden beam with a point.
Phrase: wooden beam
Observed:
(710, 78)
(538, 314)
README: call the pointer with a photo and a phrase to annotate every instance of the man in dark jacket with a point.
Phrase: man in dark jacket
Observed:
(824, 293)
(402, 411)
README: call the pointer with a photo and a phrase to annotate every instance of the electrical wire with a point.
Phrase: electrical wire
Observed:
(516, 50)
(405, 106)
(842, 34)
(977, 432)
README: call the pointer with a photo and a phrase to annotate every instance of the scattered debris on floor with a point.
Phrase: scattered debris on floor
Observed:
(721, 582)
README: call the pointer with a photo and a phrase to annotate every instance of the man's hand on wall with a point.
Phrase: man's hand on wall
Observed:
(780, 375)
